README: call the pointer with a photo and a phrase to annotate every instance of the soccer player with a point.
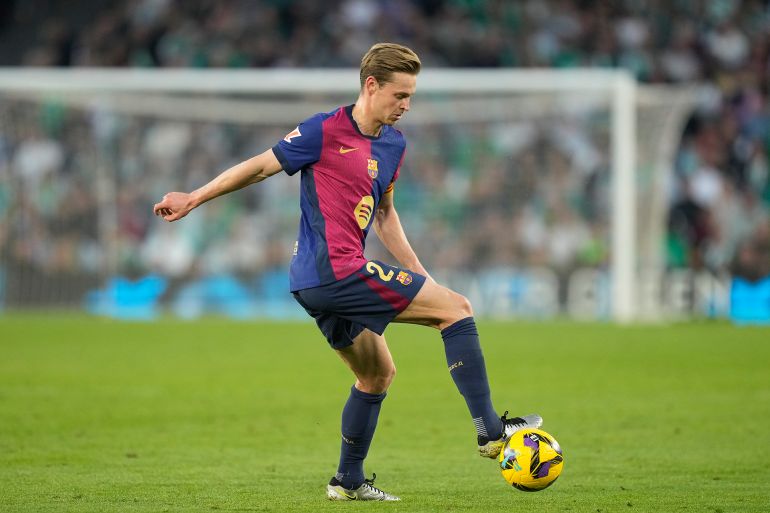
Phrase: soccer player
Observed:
(349, 160)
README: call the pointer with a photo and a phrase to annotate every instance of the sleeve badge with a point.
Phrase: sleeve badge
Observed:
(291, 135)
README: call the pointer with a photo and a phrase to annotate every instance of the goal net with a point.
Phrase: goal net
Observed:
(535, 193)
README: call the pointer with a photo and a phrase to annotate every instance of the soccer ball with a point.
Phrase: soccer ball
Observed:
(531, 460)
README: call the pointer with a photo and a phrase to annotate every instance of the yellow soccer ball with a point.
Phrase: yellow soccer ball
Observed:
(531, 460)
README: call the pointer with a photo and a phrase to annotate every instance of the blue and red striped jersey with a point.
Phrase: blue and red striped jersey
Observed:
(344, 175)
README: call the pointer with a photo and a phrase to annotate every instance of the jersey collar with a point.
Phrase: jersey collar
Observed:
(349, 112)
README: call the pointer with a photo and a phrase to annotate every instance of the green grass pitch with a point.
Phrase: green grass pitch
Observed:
(213, 415)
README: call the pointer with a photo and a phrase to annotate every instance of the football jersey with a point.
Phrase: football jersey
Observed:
(344, 175)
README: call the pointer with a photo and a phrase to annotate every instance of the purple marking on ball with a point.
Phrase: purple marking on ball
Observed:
(544, 469)
(528, 442)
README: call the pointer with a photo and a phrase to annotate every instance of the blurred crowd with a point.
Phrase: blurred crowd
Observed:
(471, 199)
(78, 185)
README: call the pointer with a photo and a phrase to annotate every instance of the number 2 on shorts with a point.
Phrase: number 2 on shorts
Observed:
(373, 267)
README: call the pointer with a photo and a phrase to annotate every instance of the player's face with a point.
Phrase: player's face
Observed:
(391, 100)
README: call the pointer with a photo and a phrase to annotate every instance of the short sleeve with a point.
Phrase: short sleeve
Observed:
(302, 146)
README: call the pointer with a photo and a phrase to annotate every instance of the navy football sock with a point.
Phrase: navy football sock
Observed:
(466, 365)
(359, 420)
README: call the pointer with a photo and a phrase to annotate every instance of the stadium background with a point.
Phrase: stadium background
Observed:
(467, 208)
(102, 414)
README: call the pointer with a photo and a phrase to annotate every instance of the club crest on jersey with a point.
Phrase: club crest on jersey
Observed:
(291, 135)
(372, 166)
(405, 278)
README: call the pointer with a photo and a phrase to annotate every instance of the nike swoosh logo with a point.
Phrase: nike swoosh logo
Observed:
(346, 150)
(344, 492)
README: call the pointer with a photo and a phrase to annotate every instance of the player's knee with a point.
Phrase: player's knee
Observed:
(464, 307)
(461, 308)
(391, 374)
(378, 382)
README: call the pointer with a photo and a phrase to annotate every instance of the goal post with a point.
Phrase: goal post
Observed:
(607, 101)
(623, 233)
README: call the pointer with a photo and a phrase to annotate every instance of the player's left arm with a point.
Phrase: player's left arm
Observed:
(387, 226)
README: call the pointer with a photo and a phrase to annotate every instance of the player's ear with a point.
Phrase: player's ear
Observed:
(371, 84)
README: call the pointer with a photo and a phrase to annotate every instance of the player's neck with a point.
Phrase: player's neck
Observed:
(366, 122)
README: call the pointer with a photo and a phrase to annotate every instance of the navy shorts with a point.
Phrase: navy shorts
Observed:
(369, 298)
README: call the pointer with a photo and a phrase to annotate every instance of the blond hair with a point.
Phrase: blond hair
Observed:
(384, 59)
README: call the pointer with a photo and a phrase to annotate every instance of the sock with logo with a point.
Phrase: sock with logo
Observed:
(466, 365)
(359, 420)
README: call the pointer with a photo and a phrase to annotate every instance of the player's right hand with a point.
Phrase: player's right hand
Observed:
(173, 206)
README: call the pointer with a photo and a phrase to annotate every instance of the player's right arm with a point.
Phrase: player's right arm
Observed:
(176, 205)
